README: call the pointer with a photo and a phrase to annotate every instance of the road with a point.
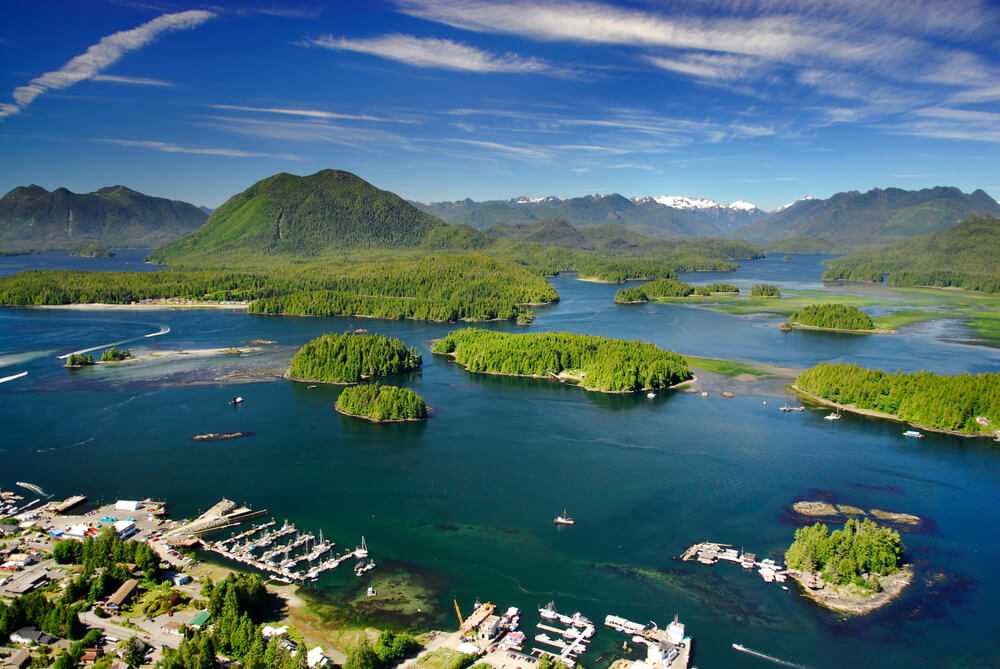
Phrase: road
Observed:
(157, 637)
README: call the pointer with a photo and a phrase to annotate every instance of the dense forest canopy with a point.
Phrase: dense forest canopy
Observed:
(604, 364)
(845, 556)
(351, 357)
(936, 401)
(833, 316)
(382, 403)
(966, 256)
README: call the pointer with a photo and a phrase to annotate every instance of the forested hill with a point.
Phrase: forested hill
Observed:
(878, 213)
(32, 218)
(307, 216)
(965, 256)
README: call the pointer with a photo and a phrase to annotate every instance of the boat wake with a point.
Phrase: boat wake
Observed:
(769, 658)
(13, 376)
(33, 488)
(163, 330)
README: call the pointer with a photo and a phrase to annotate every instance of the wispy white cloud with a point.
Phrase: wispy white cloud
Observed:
(950, 123)
(309, 113)
(167, 147)
(137, 81)
(102, 55)
(523, 151)
(428, 52)
(309, 130)
(706, 66)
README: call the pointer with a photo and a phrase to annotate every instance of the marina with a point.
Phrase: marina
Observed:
(708, 553)
(301, 558)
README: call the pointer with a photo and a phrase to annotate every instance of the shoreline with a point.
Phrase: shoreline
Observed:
(378, 421)
(828, 596)
(995, 436)
(569, 380)
(795, 325)
(142, 306)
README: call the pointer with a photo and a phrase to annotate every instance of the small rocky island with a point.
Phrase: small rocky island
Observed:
(351, 358)
(856, 569)
(381, 404)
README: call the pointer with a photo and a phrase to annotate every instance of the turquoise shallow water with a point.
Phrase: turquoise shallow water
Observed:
(463, 504)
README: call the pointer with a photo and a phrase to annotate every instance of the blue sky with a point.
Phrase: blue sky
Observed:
(758, 100)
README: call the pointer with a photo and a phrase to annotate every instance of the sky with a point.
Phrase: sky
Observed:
(759, 100)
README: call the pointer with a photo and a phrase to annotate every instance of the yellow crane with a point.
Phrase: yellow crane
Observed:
(459, 612)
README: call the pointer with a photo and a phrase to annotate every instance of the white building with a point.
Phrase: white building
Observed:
(125, 528)
(269, 631)
(317, 658)
(127, 505)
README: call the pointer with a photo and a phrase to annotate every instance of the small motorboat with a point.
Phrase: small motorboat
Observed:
(371, 591)
(236, 400)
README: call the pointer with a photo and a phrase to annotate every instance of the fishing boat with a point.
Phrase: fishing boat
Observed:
(832, 416)
(564, 519)
(914, 434)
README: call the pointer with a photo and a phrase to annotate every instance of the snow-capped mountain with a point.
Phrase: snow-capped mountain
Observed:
(524, 199)
(686, 202)
(801, 199)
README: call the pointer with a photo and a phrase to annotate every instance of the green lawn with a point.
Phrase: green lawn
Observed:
(726, 367)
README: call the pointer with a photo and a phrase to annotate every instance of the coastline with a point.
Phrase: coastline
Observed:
(891, 416)
(142, 306)
(795, 325)
(378, 421)
(830, 598)
(570, 380)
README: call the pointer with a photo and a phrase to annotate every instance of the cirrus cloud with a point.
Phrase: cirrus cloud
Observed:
(102, 55)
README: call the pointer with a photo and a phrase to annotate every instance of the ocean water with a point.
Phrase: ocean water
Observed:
(462, 506)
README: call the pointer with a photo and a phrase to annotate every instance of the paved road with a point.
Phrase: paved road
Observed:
(157, 637)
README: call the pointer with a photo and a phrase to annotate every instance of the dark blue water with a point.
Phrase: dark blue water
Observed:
(124, 260)
(462, 506)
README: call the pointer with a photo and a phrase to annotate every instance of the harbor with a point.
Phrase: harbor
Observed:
(286, 553)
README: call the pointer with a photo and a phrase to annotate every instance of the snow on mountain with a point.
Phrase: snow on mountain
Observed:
(685, 202)
(801, 199)
(524, 199)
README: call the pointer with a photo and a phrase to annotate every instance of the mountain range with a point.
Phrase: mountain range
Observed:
(664, 216)
(32, 218)
(879, 214)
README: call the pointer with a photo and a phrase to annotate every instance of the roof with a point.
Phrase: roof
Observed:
(199, 619)
(122, 593)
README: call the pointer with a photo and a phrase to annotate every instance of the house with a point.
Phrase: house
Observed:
(199, 620)
(90, 655)
(28, 635)
(268, 631)
(317, 658)
(173, 627)
(26, 583)
(18, 660)
(122, 595)
(21, 559)
(125, 528)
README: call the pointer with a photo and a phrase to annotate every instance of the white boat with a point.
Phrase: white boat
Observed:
(832, 416)
(914, 434)
(363, 567)
(564, 519)
(579, 620)
(371, 591)
(650, 395)
(362, 550)
(236, 400)
(704, 394)
(548, 611)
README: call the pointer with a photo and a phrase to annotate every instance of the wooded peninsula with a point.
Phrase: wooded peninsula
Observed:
(595, 363)
(350, 358)
(964, 403)
(670, 287)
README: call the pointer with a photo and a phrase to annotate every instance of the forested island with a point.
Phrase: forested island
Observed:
(351, 358)
(966, 404)
(839, 317)
(765, 290)
(595, 363)
(381, 404)
(671, 287)
(853, 564)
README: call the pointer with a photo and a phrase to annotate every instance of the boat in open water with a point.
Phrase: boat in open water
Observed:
(564, 519)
